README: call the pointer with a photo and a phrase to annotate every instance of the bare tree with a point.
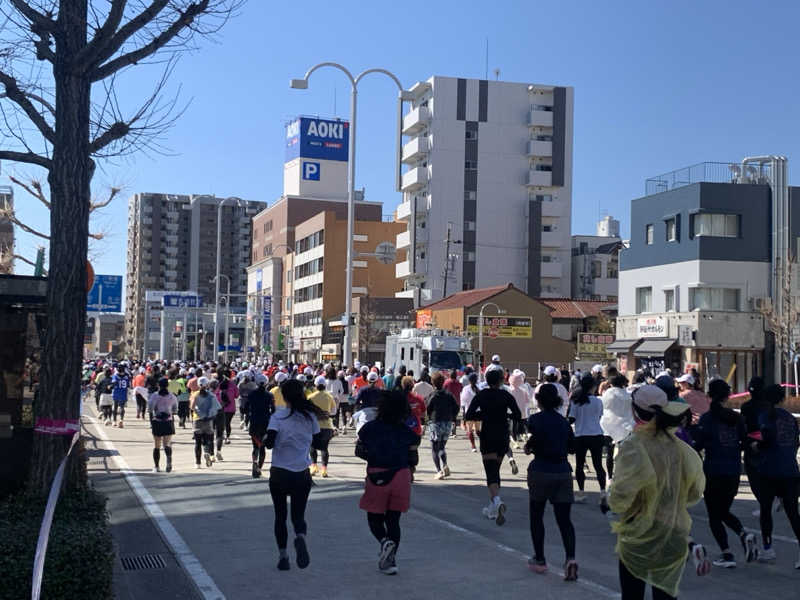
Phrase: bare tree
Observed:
(56, 57)
(782, 320)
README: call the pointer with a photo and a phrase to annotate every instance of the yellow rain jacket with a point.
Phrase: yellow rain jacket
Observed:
(656, 478)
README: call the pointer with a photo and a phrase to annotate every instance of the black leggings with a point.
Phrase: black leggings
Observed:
(202, 441)
(106, 411)
(283, 485)
(608, 444)
(439, 454)
(492, 468)
(633, 588)
(228, 419)
(785, 488)
(719, 494)
(385, 525)
(219, 429)
(141, 405)
(562, 510)
(121, 409)
(753, 476)
(323, 441)
(594, 445)
(183, 412)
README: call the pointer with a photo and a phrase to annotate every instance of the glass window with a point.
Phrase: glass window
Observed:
(644, 299)
(471, 135)
(714, 299)
(671, 230)
(717, 225)
(669, 300)
(648, 234)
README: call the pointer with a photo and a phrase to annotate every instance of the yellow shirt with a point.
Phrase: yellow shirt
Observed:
(278, 395)
(325, 402)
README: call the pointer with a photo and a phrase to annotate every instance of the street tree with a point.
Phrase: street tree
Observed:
(59, 111)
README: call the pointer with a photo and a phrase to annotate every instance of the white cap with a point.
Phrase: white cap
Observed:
(597, 369)
(280, 377)
(320, 380)
(357, 364)
(373, 376)
(550, 370)
(496, 358)
(364, 369)
(686, 378)
(308, 371)
(261, 378)
(203, 382)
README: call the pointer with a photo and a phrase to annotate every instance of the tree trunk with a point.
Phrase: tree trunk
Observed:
(70, 182)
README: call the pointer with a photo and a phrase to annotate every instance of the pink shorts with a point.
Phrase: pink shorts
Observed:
(394, 496)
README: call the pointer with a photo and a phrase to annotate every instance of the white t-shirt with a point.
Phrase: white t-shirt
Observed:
(466, 397)
(562, 393)
(587, 417)
(293, 440)
(335, 389)
(425, 390)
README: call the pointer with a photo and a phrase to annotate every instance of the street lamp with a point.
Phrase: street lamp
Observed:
(227, 311)
(480, 334)
(239, 202)
(302, 84)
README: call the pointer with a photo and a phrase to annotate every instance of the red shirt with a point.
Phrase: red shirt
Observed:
(418, 410)
(454, 387)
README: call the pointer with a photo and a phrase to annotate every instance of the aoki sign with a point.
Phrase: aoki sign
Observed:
(325, 139)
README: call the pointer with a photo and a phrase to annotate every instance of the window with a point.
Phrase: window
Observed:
(597, 269)
(309, 242)
(648, 234)
(470, 196)
(547, 228)
(543, 138)
(716, 225)
(289, 276)
(309, 268)
(308, 318)
(268, 226)
(311, 292)
(471, 165)
(644, 300)
(546, 258)
(402, 353)
(714, 298)
(543, 107)
(469, 225)
(469, 256)
(612, 271)
(471, 135)
(542, 197)
(669, 300)
(672, 230)
(543, 167)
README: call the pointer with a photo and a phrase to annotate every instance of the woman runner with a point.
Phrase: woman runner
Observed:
(587, 410)
(388, 446)
(289, 436)
(260, 407)
(550, 478)
(468, 392)
(324, 401)
(162, 406)
(205, 407)
(442, 412)
(491, 406)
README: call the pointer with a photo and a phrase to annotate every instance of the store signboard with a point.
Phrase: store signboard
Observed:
(648, 327)
(592, 346)
(501, 326)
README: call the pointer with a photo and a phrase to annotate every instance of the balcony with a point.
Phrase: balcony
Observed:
(402, 269)
(415, 179)
(540, 178)
(551, 269)
(540, 118)
(415, 150)
(404, 209)
(405, 293)
(552, 209)
(404, 240)
(537, 148)
(172, 239)
(417, 120)
(552, 239)
(171, 250)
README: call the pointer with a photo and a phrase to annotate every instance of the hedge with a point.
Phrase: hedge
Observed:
(80, 554)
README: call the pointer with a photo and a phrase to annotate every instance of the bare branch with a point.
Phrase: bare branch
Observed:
(118, 130)
(38, 98)
(183, 22)
(38, 20)
(8, 213)
(140, 21)
(26, 157)
(23, 259)
(34, 189)
(103, 203)
(95, 51)
(15, 94)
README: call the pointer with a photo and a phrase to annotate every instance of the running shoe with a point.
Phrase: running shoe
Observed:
(537, 566)
(121, 425)
(115, 424)
(107, 422)
(702, 565)
(797, 564)
(283, 564)
(500, 519)
(725, 560)
(324, 472)
(604, 508)
(209, 460)
(767, 555)
(227, 440)
(303, 559)
(446, 471)
(169, 465)
(514, 467)
(571, 571)
(580, 498)
(219, 457)
(156, 470)
(312, 469)
(750, 547)
(439, 475)
(197, 466)
(256, 472)
(490, 512)
(388, 548)
(474, 450)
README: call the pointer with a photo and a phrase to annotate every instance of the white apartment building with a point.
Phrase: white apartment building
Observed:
(595, 262)
(492, 162)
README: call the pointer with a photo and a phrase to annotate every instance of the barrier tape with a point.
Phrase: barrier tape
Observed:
(47, 520)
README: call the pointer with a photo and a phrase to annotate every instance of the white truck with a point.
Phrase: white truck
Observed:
(432, 348)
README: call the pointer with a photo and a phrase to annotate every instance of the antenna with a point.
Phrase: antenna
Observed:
(496, 74)
(486, 75)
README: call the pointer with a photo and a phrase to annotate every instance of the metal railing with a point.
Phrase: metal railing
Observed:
(707, 172)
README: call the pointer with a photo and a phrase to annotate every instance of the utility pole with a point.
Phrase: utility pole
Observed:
(448, 241)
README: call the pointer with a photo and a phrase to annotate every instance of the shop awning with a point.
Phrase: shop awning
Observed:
(621, 346)
(654, 347)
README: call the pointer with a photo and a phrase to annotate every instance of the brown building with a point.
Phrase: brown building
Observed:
(515, 326)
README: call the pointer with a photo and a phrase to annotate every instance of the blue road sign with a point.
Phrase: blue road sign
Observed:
(106, 294)
(179, 301)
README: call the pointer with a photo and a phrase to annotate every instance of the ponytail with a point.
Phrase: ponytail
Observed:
(664, 421)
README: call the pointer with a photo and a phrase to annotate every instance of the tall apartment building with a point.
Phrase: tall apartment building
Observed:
(491, 161)
(595, 262)
(6, 231)
(172, 246)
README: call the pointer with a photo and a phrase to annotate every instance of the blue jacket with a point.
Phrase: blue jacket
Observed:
(722, 434)
(778, 448)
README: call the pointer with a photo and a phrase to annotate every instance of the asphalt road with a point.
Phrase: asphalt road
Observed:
(448, 549)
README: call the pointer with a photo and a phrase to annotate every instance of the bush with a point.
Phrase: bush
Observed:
(80, 554)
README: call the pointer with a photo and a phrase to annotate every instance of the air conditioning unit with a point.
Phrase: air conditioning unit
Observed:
(761, 304)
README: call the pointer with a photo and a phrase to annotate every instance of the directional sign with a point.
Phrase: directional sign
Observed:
(106, 294)
(386, 253)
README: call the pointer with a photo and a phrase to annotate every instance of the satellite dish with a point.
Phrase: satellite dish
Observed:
(386, 253)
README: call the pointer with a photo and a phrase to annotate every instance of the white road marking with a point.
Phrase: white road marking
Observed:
(190, 563)
(588, 584)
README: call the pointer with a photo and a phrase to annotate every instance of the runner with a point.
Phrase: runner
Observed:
(550, 478)
(229, 392)
(587, 410)
(387, 445)
(491, 406)
(289, 436)
(777, 466)
(334, 387)
(162, 405)
(120, 383)
(280, 378)
(694, 397)
(104, 391)
(205, 407)
(346, 405)
(657, 480)
(139, 382)
(617, 420)
(721, 433)
(469, 392)
(219, 419)
(521, 392)
(751, 412)
(551, 376)
(324, 401)
(423, 388)
(260, 407)
(442, 412)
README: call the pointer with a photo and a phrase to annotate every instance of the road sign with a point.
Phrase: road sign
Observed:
(386, 253)
(106, 294)
(181, 301)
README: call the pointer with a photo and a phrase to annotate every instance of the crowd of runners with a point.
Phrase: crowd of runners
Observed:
(657, 446)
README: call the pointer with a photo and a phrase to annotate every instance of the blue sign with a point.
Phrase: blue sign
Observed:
(106, 294)
(178, 301)
(231, 348)
(259, 279)
(326, 139)
(311, 171)
(266, 327)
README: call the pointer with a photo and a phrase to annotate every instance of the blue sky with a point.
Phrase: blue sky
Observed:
(658, 86)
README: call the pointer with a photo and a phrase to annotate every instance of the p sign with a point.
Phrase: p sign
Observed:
(311, 171)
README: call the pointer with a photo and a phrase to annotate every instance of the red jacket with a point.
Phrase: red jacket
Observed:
(418, 410)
